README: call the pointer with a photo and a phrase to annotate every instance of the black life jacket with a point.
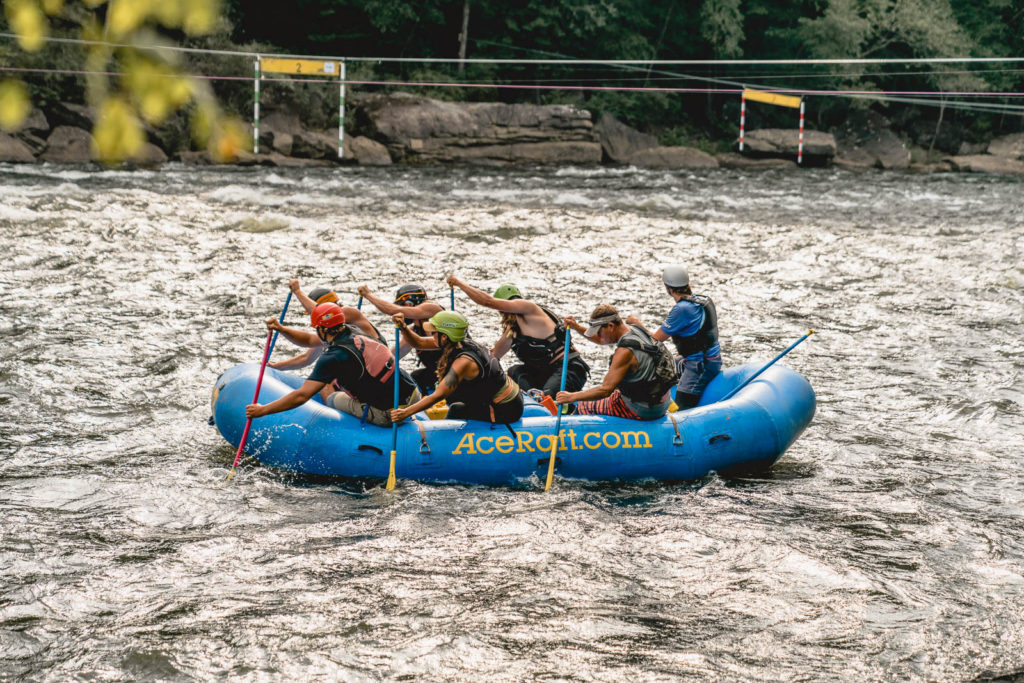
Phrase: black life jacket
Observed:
(706, 336)
(537, 352)
(656, 373)
(377, 369)
(489, 382)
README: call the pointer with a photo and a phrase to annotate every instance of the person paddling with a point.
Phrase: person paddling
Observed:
(322, 295)
(636, 386)
(692, 325)
(360, 365)
(535, 335)
(469, 377)
(412, 302)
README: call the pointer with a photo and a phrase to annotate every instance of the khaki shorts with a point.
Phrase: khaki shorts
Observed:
(339, 400)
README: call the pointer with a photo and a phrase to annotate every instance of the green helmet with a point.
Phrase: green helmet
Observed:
(450, 324)
(508, 292)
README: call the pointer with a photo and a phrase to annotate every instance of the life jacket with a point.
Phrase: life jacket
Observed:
(656, 369)
(537, 352)
(706, 336)
(377, 368)
(492, 385)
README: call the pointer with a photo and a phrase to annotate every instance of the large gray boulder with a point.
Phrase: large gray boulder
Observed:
(365, 152)
(314, 145)
(1011, 146)
(68, 145)
(619, 141)
(14, 150)
(986, 163)
(418, 127)
(819, 147)
(866, 141)
(672, 157)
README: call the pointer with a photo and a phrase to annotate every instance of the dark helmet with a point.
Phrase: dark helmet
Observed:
(323, 295)
(410, 295)
(328, 315)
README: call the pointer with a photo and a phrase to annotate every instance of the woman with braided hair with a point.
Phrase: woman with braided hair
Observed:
(468, 376)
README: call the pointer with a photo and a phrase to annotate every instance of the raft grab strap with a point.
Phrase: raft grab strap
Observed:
(424, 447)
(678, 440)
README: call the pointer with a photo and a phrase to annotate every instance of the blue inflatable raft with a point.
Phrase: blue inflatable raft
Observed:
(749, 431)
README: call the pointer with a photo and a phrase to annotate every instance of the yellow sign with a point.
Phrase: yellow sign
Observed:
(302, 67)
(772, 98)
(525, 442)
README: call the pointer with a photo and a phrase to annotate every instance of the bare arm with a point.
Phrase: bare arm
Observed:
(411, 338)
(306, 302)
(287, 402)
(294, 335)
(580, 330)
(305, 358)
(517, 306)
(657, 335)
(355, 317)
(502, 346)
(462, 368)
(622, 361)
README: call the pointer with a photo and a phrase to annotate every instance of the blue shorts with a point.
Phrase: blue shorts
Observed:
(694, 377)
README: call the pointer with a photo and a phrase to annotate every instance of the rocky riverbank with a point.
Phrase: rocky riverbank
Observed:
(409, 129)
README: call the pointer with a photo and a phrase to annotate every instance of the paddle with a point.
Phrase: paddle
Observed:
(451, 295)
(359, 304)
(394, 425)
(770, 363)
(268, 349)
(558, 418)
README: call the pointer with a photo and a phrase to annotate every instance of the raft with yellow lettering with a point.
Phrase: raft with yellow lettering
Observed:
(749, 431)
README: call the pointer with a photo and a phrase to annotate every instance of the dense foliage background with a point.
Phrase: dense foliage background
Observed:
(647, 29)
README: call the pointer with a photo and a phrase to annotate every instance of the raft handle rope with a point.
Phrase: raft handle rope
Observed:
(678, 439)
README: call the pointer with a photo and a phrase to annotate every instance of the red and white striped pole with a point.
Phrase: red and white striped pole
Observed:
(743, 118)
(800, 145)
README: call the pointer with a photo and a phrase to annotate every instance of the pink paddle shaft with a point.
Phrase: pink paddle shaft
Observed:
(248, 423)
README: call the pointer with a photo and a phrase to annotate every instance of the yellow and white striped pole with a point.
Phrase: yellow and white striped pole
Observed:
(256, 109)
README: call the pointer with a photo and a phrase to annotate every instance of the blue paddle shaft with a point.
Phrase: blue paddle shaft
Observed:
(770, 363)
(565, 370)
(451, 295)
(394, 425)
(284, 310)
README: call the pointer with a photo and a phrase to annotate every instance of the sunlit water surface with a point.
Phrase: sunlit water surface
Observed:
(887, 543)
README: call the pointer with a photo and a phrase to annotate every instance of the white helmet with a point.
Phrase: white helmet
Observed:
(675, 276)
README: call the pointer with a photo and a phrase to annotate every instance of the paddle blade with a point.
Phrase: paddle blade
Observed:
(390, 486)
(551, 466)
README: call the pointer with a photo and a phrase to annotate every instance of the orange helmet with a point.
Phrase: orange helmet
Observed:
(328, 315)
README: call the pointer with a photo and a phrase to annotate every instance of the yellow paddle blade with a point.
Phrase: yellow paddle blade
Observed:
(551, 465)
(390, 486)
(231, 475)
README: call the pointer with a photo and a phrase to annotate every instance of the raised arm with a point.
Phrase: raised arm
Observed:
(517, 306)
(411, 338)
(306, 302)
(421, 312)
